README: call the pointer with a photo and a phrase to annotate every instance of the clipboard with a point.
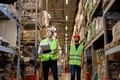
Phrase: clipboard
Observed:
(45, 47)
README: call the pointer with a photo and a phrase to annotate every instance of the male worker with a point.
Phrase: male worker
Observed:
(75, 58)
(49, 57)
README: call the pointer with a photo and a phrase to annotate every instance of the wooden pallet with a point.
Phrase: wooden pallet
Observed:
(116, 37)
(112, 44)
(108, 46)
(117, 42)
(116, 28)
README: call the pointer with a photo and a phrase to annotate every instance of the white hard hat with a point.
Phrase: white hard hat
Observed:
(50, 29)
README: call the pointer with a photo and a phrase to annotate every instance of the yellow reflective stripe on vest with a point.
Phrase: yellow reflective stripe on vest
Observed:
(78, 57)
(75, 59)
(75, 55)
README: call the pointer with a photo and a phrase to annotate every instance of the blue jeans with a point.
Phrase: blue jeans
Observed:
(74, 69)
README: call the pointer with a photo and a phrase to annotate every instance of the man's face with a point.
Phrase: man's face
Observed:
(49, 34)
(76, 39)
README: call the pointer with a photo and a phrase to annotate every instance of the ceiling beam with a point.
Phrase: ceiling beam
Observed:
(61, 9)
(62, 20)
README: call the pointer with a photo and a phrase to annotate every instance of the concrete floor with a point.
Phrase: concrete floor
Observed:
(63, 76)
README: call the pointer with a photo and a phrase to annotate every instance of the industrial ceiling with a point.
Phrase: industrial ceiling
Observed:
(62, 18)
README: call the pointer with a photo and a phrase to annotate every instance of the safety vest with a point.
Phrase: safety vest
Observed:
(76, 55)
(53, 54)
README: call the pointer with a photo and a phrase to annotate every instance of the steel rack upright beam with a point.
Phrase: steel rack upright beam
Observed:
(35, 49)
(92, 51)
(28, 19)
(19, 38)
(105, 42)
(105, 33)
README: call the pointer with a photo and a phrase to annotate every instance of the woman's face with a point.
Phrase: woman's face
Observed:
(49, 34)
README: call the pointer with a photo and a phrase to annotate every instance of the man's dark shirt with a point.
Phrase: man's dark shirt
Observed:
(77, 45)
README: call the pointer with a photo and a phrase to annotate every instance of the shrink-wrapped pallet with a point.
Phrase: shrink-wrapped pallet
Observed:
(99, 24)
(82, 35)
(116, 31)
(93, 28)
(30, 35)
(88, 35)
(8, 31)
(86, 4)
(101, 71)
(90, 6)
(115, 35)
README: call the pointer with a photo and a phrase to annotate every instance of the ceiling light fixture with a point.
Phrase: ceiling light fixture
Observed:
(66, 34)
(66, 48)
(66, 38)
(66, 18)
(66, 28)
(66, 1)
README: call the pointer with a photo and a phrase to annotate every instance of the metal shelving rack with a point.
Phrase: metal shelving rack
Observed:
(94, 42)
(7, 50)
(30, 19)
(20, 26)
(6, 14)
(98, 36)
(112, 50)
(103, 33)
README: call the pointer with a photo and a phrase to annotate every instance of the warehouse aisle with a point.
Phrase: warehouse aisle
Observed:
(36, 33)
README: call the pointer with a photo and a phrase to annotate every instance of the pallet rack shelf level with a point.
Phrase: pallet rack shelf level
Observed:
(109, 6)
(5, 12)
(95, 8)
(98, 36)
(113, 50)
(7, 50)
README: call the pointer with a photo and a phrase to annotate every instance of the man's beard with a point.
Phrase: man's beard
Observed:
(76, 41)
